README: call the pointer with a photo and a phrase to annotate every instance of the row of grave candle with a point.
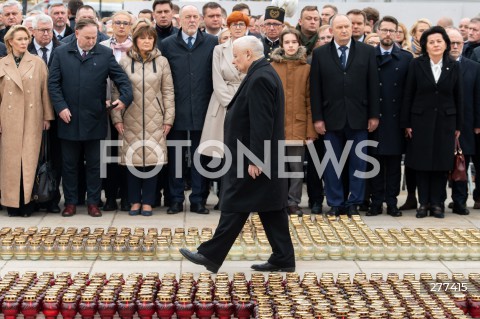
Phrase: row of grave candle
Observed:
(274, 296)
(314, 237)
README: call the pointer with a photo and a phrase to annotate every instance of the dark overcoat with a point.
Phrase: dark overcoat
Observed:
(434, 111)
(470, 71)
(31, 48)
(192, 78)
(341, 96)
(81, 86)
(255, 114)
(392, 73)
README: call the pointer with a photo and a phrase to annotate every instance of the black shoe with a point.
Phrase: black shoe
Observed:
(459, 209)
(352, 210)
(270, 268)
(316, 208)
(166, 202)
(100, 204)
(450, 205)
(422, 211)
(125, 205)
(394, 211)
(437, 211)
(410, 203)
(334, 211)
(374, 210)
(199, 208)
(175, 208)
(363, 207)
(110, 205)
(217, 206)
(53, 208)
(199, 259)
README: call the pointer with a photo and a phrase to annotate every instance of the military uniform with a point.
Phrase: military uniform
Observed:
(269, 46)
(272, 13)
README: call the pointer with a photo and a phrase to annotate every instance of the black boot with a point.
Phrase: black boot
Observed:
(410, 203)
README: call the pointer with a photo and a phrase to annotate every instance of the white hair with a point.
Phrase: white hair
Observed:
(11, 3)
(27, 20)
(43, 18)
(188, 6)
(338, 16)
(249, 42)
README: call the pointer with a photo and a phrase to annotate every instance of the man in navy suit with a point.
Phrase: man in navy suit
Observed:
(344, 93)
(470, 71)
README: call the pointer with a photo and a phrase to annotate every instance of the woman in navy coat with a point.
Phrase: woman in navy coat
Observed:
(432, 116)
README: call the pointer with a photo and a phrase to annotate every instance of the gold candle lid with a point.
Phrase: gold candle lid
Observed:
(88, 297)
(164, 298)
(69, 297)
(106, 298)
(204, 298)
(10, 297)
(184, 298)
(51, 298)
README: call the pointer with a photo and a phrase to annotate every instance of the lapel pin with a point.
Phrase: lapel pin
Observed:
(448, 69)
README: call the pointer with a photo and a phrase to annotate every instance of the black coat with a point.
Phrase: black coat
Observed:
(3, 50)
(255, 114)
(163, 33)
(471, 102)
(73, 38)
(434, 111)
(31, 48)
(81, 86)
(192, 78)
(345, 96)
(392, 73)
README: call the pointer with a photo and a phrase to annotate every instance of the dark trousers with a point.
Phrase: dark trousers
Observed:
(231, 224)
(314, 183)
(334, 188)
(162, 184)
(410, 180)
(460, 189)
(432, 187)
(116, 181)
(71, 151)
(177, 186)
(385, 186)
(23, 208)
(56, 156)
(476, 163)
(142, 190)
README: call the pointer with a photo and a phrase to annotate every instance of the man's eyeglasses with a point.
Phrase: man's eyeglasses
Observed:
(124, 23)
(386, 31)
(271, 24)
(44, 30)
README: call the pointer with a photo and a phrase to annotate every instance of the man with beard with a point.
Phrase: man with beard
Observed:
(58, 13)
(392, 63)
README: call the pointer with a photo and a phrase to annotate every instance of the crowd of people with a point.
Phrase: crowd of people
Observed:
(356, 86)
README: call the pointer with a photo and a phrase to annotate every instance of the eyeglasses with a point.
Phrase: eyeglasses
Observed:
(238, 25)
(44, 30)
(325, 38)
(387, 31)
(124, 23)
(373, 43)
(271, 24)
(456, 43)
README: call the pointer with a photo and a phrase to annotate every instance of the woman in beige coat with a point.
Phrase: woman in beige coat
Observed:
(25, 111)
(144, 125)
(226, 80)
(290, 63)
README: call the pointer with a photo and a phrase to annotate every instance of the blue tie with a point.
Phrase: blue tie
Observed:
(343, 56)
(190, 42)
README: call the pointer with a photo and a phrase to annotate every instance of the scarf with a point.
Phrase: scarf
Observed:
(122, 47)
(17, 59)
(416, 48)
(307, 42)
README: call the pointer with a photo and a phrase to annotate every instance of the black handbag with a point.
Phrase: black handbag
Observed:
(44, 185)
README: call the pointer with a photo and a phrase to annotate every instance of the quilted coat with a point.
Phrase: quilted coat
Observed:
(144, 143)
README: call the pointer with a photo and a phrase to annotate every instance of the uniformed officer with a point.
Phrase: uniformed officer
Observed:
(273, 26)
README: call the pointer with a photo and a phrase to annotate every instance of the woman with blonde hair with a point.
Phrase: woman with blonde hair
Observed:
(290, 62)
(26, 112)
(402, 38)
(145, 124)
(420, 26)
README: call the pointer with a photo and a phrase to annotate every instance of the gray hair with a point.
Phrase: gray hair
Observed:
(56, 5)
(27, 20)
(337, 16)
(187, 7)
(250, 42)
(42, 18)
(11, 3)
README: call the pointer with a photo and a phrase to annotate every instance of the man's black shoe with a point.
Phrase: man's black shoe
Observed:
(352, 210)
(394, 211)
(270, 268)
(334, 211)
(199, 208)
(422, 211)
(437, 211)
(374, 210)
(217, 206)
(125, 205)
(199, 259)
(460, 210)
(175, 208)
(363, 207)
(316, 208)
(53, 208)
(110, 205)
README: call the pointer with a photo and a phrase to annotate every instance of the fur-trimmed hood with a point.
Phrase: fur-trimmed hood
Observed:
(278, 55)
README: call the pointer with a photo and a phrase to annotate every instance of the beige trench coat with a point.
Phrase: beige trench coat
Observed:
(24, 105)
(226, 80)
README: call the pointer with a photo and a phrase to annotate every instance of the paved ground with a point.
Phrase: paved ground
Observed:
(161, 219)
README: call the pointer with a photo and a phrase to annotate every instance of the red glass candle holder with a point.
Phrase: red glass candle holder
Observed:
(10, 307)
(126, 308)
(87, 307)
(51, 307)
(184, 307)
(30, 307)
(204, 308)
(224, 307)
(145, 307)
(68, 308)
(243, 309)
(107, 307)
(165, 307)
(474, 306)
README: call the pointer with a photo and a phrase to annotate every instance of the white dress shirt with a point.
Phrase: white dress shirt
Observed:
(436, 69)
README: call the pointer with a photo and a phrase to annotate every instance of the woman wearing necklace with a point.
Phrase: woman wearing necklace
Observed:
(25, 111)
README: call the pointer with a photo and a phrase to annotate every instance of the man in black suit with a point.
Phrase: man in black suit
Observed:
(11, 11)
(393, 65)
(44, 44)
(163, 15)
(344, 96)
(79, 102)
(255, 116)
(471, 126)
(58, 13)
